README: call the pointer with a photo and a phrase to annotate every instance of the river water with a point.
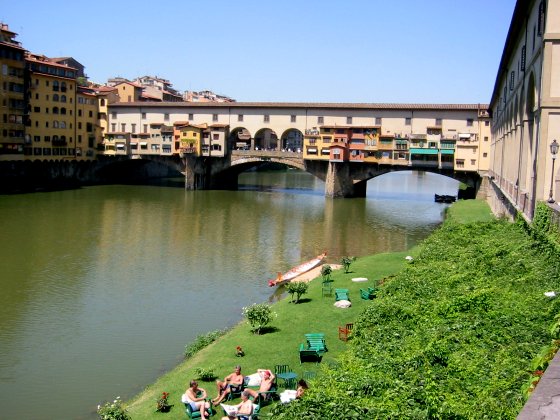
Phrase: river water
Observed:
(100, 284)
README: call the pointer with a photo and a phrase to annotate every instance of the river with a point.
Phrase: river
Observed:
(102, 287)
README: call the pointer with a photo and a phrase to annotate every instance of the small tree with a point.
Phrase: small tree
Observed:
(298, 288)
(326, 271)
(258, 315)
(347, 262)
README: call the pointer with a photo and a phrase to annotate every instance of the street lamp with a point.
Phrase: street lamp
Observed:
(553, 151)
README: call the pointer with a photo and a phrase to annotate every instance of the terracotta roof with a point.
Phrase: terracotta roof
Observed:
(314, 105)
(218, 126)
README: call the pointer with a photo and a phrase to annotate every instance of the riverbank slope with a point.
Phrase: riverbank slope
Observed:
(279, 345)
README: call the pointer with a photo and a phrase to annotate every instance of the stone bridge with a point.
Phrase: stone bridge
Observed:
(342, 179)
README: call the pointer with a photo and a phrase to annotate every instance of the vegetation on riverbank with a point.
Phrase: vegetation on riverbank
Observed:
(452, 334)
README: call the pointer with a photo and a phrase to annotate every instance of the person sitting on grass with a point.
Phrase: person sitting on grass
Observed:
(267, 382)
(231, 383)
(241, 411)
(196, 398)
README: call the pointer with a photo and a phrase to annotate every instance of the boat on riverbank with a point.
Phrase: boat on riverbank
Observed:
(444, 198)
(297, 270)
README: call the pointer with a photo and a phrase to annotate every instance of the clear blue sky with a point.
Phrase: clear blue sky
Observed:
(431, 51)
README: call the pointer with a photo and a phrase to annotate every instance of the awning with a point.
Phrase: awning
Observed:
(143, 143)
(464, 135)
(312, 150)
(447, 151)
(133, 143)
(423, 151)
(240, 144)
(120, 146)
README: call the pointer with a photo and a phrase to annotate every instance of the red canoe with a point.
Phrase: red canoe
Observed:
(298, 270)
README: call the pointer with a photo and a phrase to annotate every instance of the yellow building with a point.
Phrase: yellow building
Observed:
(12, 64)
(51, 105)
(88, 128)
(188, 138)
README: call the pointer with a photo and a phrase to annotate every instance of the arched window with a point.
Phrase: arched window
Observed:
(55, 124)
(54, 138)
(63, 86)
(63, 111)
(62, 138)
(55, 86)
(62, 124)
(62, 98)
(55, 110)
(55, 97)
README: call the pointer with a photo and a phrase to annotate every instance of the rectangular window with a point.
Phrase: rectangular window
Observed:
(113, 127)
(143, 115)
(470, 122)
(438, 122)
(166, 117)
(485, 138)
(511, 80)
(133, 128)
(240, 117)
(320, 120)
(113, 115)
(407, 121)
(191, 117)
(378, 121)
(214, 117)
(473, 161)
(292, 118)
(37, 138)
(348, 120)
(145, 128)
(486, 123)
(485, 155)
(266, 118)
(123, 127)
(215, 136)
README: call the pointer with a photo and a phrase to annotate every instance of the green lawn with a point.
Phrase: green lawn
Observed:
(279, 345)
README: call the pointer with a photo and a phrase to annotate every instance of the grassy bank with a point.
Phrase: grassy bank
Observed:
(281, 342)
(456, 334)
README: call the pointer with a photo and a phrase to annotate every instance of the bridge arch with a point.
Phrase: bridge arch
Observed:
(240, 139)
(266, 139)
(292, 140)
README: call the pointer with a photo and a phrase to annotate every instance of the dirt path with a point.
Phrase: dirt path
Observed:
(314, 273)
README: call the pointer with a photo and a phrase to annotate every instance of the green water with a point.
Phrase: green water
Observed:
(102, 287)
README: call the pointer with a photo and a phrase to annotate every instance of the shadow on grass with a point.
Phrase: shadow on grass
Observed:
(269, 330)
(306, 300)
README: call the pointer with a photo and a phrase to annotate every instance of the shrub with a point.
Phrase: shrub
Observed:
(326, 271)
(162, 405)
(258, 315)
(347, 262)
(205, 375)
(202, 341)
(113, 410)
(297, 288)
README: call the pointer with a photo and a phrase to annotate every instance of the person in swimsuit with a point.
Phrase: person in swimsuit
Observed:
(267, 382)
(233, 380)
(196, 397)
(243, 410)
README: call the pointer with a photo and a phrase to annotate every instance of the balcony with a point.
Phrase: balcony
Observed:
(59, 142)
